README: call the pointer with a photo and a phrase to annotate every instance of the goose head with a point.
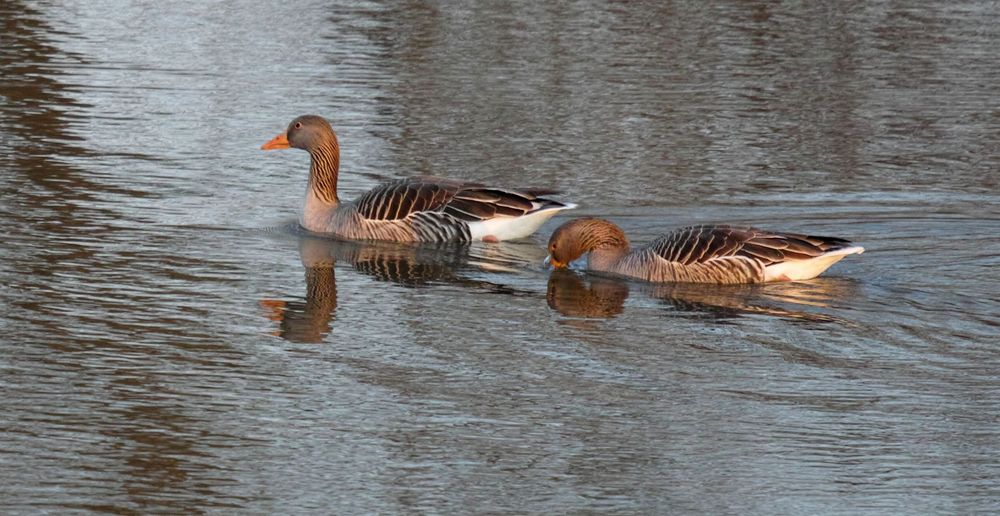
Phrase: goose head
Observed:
(579, 236)
(306, 132)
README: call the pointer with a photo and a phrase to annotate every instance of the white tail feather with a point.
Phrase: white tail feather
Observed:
(509, 228)
(796, 270)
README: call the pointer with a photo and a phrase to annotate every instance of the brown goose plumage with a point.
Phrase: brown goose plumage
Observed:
(698, 254)
(422, 209)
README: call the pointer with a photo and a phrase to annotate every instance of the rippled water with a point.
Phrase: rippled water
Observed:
(174, 344)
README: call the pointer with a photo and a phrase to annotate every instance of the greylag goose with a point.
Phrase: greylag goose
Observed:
(422, 209)
(698, 254)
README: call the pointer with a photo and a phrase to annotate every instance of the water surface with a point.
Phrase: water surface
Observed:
(174, 344)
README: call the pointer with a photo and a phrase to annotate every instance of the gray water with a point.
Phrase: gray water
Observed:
(172, 344)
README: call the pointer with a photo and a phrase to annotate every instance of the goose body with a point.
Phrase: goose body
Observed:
(421, 209)
(698, 254)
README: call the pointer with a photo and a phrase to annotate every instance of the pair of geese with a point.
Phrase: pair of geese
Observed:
(433, 209)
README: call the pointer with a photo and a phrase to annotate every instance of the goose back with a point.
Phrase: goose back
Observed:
(728, 254)
(432, 209)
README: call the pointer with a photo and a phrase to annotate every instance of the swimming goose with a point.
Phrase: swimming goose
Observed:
(698, 254)
(422, 209)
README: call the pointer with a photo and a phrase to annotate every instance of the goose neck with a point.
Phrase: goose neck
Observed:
(323, 169)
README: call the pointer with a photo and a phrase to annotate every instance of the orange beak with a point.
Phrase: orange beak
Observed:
(549, 260)
(278, 142)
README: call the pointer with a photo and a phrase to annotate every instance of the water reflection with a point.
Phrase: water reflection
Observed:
(591, 296)
(36, 106)
(35, 119)
(574, 295)
(310, 319)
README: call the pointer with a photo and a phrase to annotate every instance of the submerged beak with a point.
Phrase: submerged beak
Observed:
(278, 142)
(552, 262)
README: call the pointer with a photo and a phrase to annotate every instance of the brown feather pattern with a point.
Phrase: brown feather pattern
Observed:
(431, 209)
(468, 202)
(398, 199)
(323, 168)
(698, 244)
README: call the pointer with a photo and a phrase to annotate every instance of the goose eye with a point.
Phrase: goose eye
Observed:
(298, 125)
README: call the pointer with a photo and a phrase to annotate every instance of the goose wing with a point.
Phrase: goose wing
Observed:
(468, 202)
(476, 203)
(401, 198)
(701, 244)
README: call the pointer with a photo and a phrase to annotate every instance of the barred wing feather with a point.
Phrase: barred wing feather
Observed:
(401, 198)
(468, 202)
(700, 244)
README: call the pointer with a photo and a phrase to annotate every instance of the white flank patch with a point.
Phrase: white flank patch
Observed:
(509, 228)
(796, 270)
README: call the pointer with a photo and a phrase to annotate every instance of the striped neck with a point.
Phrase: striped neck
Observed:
(608, 245)
(594, 234)
(606, 237)
(323, 168)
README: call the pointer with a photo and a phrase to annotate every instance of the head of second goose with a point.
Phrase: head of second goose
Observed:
(313, 134)
(580, 236)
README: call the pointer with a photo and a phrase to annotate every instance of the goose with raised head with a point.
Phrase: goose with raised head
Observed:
(698, 254)
(421, 209)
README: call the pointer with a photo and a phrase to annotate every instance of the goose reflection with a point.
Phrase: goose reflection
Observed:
(311, 319)
(570, 294)
(580, 295)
